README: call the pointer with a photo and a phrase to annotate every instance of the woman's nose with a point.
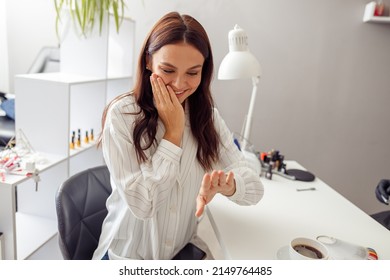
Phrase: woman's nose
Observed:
(178, 82)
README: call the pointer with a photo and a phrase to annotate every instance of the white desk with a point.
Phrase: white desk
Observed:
(259, 231)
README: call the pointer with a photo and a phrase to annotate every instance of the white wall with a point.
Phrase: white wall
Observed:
(323, 98)
(30, 26)
(4, 80)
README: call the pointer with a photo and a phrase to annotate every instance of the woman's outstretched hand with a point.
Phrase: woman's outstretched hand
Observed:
(169, 109)
(216, 182)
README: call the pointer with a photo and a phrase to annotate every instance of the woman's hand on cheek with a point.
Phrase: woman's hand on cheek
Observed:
(169, 109)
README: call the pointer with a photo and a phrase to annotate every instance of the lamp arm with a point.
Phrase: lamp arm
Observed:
(248, 122)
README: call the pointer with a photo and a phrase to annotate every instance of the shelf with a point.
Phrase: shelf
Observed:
(378, 19)
(59, 77)
(369, 15)
(70, 78)
(76, 151)
(32, 232)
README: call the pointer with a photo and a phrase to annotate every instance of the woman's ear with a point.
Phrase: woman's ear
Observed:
(148, 62)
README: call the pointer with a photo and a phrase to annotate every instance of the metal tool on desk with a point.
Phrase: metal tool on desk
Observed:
(306, 189)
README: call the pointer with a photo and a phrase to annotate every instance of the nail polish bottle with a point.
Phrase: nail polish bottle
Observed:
(78, 138)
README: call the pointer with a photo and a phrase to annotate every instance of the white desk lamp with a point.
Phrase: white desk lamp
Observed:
(240, 63)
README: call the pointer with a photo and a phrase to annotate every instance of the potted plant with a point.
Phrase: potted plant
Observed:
(85, 13)
(89, 37)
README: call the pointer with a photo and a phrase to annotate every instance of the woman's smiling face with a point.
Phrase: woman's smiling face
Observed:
(180, 67)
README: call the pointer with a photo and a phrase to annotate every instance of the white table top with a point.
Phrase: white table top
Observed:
(260, 231)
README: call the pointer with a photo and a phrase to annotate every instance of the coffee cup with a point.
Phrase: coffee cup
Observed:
(302, 248)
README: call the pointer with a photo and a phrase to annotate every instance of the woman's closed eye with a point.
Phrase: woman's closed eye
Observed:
(168, 71)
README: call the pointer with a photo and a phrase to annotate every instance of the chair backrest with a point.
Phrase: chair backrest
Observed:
(81, 209)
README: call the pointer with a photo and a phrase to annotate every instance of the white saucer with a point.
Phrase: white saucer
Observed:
(283, 254)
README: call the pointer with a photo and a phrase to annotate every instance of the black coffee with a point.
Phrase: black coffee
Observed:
(308, 251)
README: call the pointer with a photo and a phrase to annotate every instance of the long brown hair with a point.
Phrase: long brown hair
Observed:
(170, 29)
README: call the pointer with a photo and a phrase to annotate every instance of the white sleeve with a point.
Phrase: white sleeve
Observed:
(249, 189)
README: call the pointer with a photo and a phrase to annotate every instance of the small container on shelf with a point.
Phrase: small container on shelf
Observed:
(379, 8)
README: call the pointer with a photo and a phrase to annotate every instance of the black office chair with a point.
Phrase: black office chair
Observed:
(382, 193)
(81, 209)
(7, 122)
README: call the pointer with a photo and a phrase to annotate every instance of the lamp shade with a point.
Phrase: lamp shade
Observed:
(239, 63)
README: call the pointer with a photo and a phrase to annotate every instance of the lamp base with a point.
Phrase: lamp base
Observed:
(253, 161)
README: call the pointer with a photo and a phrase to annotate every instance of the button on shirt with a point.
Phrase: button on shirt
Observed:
(151, 210)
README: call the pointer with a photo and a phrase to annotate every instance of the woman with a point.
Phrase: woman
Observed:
(167, 149)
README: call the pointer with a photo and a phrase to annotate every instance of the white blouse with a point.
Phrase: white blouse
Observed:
(151, 210)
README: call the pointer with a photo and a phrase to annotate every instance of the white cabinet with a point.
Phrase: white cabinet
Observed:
(27, 213)
(102, 54)
(49, 107)
(52, 105)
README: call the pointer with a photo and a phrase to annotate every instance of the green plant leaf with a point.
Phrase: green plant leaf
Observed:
(101, 16)
(85, 13)
(116, 15)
